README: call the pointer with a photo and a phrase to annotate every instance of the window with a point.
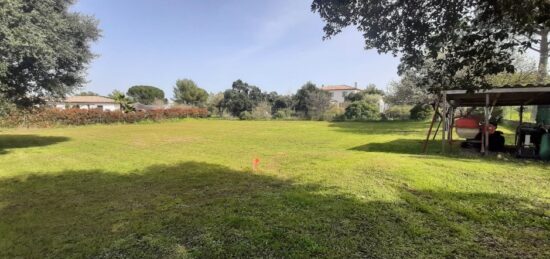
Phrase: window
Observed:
(100, 107)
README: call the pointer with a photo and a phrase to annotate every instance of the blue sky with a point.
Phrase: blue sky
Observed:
(274, 44)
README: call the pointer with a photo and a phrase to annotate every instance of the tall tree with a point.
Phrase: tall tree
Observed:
(311, 101)
(469, 38)
(242, 97)
(145, 94)
(44, 49)
(187, 92)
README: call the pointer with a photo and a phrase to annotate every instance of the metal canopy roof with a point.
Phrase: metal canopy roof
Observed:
(505, 96)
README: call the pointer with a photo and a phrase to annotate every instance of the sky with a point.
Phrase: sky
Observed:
(276, 45)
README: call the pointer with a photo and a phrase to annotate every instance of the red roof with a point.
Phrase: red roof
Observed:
(338, 87)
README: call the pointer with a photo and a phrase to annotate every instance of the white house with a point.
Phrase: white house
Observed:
(339, 92)
(88, 102)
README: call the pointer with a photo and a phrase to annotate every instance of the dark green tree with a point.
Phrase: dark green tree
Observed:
(87, 93)
(466, 40)
(187, 92)
(145, 94)
(242, 97)
(44, 49)
(311, 101)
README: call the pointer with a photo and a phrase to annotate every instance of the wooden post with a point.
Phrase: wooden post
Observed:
(521, 114)
(486, 127)
(451, 125)
(425, 147)
(444, 118)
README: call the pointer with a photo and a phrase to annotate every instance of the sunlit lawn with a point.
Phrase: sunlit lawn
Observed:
(186, 189)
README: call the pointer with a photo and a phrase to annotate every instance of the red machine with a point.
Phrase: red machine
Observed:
(470, 127)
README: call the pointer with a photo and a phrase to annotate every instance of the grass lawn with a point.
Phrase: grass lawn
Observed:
(186, 189)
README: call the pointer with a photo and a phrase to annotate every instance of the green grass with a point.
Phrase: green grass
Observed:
(186, 189)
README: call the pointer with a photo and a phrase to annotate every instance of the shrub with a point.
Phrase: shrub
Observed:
(283, 114)
(398, 112)
(246, 115)
(53, 117)
(262, 111)
(334, 112)
(362, 110)
(421, 112)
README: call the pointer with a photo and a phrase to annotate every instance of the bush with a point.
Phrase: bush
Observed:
(421, 112)
(398, 112)
(283, 114)
(262, 111)
(246, 115)
(334, 112)
(362, 110)
(53, 117)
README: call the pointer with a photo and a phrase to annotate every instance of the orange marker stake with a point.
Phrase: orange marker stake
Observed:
(255, 164)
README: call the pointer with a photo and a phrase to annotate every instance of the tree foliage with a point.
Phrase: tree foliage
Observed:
(469, 38)
(362, 110)
(187, 92)
(407, 91)
(145, 94)
(311, 101)
(44, 49)
(87, 93)
(123, 100)
(242, 97)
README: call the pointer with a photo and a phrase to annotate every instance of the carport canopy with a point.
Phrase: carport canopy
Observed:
(503, 96)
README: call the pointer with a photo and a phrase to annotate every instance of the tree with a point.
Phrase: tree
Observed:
(214, 103)
(44, 50)
(311, 101)
(470, 38)
(123, 100)
(362, 110)
(372, 89)
(187, 92)
(87, 93)
(407, 91)
(145, 94)
(242, 97)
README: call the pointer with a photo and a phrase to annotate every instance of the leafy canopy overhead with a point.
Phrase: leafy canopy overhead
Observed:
(465, 40)
(44, 49)
(145, 94)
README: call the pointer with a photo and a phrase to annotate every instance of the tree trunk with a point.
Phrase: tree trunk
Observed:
(543, 58)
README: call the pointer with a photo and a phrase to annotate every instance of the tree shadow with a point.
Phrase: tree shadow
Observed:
(382, 127)
(207, 210)
(25, 141)
(400, 146)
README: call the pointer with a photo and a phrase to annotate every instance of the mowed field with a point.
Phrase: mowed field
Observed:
(187, 189)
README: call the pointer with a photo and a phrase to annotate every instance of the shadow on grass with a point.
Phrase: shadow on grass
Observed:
(208, 210)
(24, 141)
(382, 127)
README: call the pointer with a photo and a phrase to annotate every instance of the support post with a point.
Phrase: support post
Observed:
(425, 147)
(444, 118)
(521, 114)
(486, 126)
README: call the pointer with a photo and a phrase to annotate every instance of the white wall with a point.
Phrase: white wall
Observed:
(339, 95)
(85, 106)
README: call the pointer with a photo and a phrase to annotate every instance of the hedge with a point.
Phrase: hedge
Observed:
(54, 117)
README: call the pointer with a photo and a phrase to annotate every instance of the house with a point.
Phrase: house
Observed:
(338, 93)
(88, 102)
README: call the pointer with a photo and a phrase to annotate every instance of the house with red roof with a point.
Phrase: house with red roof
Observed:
(338, 93)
